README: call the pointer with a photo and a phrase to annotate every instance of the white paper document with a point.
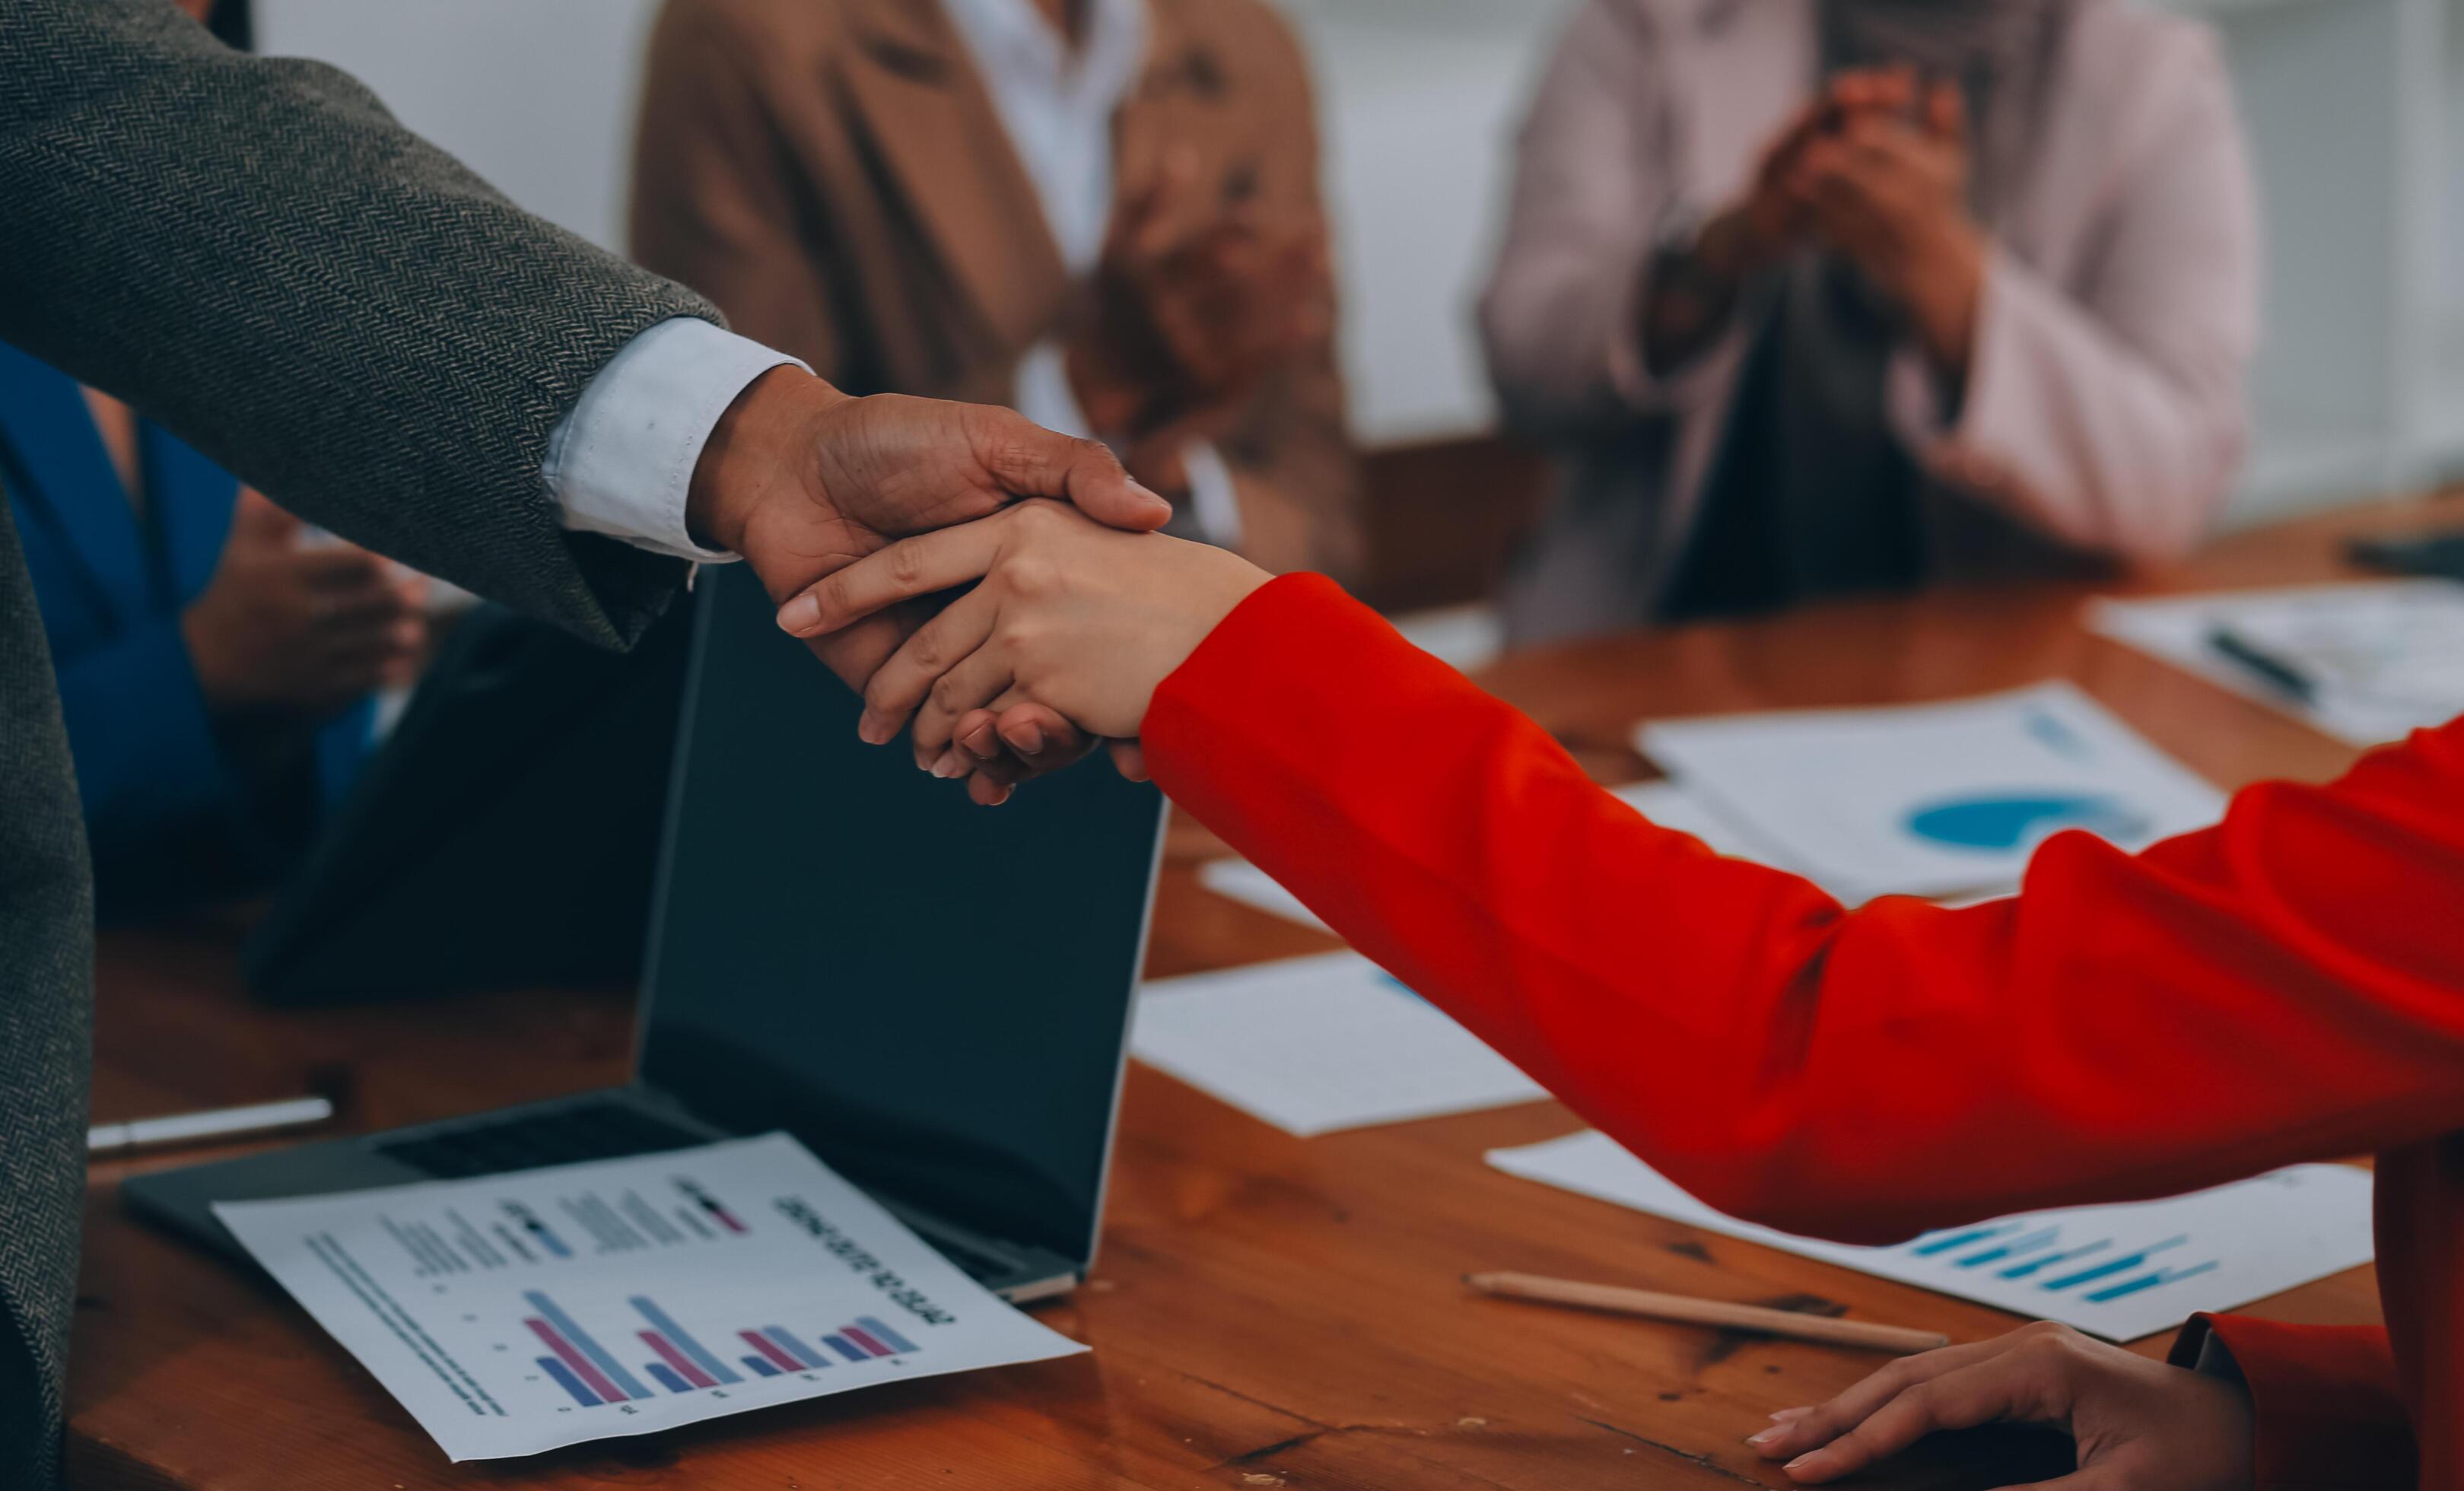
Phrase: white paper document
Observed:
(2380, 660)
(1933, 800)
(1315, 1044)
(2119, 1272)
(1663, 802)
(516, 1313)
(1238, 880)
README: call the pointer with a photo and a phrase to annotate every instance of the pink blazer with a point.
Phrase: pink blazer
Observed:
(2104, 419)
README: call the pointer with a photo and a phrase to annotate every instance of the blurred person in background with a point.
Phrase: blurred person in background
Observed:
(216, 663)
(1103, 213)
(1824, 297)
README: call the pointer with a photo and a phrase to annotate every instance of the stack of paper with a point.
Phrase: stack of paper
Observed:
(2119, 1272)
(1663, 803)
(516, 1313)
(2367, 663)
(1315, 1045)
(1933, 800)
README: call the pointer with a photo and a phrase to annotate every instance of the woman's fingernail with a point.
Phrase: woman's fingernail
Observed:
(1790, 1415)
(1767, 1436)
(868, 729)
(1150, 493)
(1028, 740)
(985, 746)
(1798, 1463)
(945, 768)
(800, 615)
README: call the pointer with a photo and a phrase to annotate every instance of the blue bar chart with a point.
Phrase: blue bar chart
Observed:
(2120, 1271)
(2091, 1268)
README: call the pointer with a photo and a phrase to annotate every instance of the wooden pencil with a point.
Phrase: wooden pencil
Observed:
(1687, 1310)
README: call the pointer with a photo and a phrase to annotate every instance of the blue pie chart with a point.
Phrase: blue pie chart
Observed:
(2003, 821)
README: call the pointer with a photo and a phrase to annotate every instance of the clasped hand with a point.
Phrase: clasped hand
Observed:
(1073, 623)
(803, 480)
(1875, 170)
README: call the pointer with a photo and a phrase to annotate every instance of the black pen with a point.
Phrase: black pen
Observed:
(2266, 665)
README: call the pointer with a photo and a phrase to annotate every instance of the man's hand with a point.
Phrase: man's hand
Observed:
(304, 627)
(803, 480)
(2140, 1425)
(1192, 306)
(1888, 190)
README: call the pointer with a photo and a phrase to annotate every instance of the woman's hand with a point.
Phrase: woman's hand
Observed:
(2140, 1425)
(1083, 619)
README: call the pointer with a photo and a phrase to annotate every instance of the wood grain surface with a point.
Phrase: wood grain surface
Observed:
(1267, 1312)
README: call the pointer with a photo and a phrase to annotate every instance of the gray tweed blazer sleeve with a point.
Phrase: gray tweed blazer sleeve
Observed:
(256, 254)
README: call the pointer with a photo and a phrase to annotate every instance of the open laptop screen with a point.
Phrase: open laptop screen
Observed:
(933, 996)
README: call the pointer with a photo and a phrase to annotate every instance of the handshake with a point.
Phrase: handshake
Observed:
(868, 520)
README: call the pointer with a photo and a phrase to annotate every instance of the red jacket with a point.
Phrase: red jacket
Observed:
(2286, 986)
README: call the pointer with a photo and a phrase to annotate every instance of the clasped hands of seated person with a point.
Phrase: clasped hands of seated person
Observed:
(1196, 302)
(1875, 170)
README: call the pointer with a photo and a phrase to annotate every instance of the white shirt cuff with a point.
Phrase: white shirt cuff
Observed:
(622, 459)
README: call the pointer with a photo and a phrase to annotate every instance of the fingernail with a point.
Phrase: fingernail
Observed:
(868, 729)
(1798, 1463)
(1144, 491)
(1028, 741)
(1790, 1415)
(1767, 1436)
(946, 767)
(985, 746)
(800, 615)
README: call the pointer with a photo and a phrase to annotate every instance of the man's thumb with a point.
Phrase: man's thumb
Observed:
(1032, 461)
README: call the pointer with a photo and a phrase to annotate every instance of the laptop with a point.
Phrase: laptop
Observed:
(522, 799)
(933, 996)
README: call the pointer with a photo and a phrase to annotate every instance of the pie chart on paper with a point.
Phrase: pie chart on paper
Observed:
(1997, 823)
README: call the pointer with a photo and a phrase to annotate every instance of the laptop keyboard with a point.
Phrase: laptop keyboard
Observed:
(560, 1136)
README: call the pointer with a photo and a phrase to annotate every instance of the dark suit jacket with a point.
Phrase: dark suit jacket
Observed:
(835, 174)
(253, 254)
(173, 807)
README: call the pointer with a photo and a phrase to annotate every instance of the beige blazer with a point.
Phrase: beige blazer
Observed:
(835, 175)
(2104, 420)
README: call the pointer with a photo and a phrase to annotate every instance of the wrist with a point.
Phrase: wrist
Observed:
(763, 446)
(1945, 302)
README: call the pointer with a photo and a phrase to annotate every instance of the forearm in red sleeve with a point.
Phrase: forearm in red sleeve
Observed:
(2327, 1409)
(2283, 987)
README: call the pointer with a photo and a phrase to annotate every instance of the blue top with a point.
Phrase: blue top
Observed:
(168, 813)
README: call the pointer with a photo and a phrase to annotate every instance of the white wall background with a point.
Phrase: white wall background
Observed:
(2355, 108)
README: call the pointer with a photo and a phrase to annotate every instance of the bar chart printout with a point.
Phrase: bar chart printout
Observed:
(516, 1313)
(2119, 1272)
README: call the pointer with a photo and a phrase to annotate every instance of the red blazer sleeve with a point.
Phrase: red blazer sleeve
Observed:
(2329, 1408)
(2286, 986)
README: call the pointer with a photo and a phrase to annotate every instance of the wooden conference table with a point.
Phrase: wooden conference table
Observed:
(1267, 1310)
